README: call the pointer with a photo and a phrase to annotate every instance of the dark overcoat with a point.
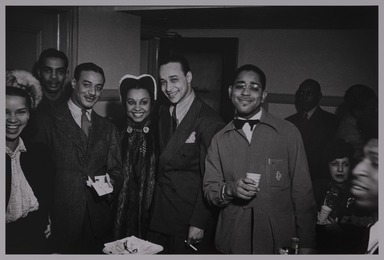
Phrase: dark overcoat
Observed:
(77, 158)
(316, 132)
(178, 200)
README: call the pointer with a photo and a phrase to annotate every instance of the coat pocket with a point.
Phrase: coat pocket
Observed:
(277, 173)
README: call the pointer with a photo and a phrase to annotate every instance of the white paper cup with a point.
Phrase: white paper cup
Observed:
(255, 177)
(323, 214)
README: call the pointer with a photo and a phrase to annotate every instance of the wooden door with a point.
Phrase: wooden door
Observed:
(30, 30)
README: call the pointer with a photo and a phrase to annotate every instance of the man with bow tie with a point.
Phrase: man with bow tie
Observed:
(259, 218)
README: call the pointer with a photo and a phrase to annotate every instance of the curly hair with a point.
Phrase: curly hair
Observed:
(26, 81)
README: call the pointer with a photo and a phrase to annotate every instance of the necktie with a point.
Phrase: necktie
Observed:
(85, 123)
(174, 119)
(305, 116)
(239, 123)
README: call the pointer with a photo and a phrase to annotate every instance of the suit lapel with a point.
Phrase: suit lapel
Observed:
(183, 131)
(95, 132)
(164, 127)
(67, 125)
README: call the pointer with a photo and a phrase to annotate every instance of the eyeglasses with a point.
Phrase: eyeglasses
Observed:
(253, 87)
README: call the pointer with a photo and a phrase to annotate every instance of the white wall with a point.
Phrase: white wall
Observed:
(335, 58)
(111, 40)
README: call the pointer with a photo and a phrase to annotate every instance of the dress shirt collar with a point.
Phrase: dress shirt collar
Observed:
(254, 117)
(373, 238)
(76, 110)
(183, 106)
(19, 148)
(310, 112)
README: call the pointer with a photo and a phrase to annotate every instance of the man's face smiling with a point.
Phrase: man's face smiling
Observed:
(174, 83)
(87, 90)
(247, 94)
(53, 74)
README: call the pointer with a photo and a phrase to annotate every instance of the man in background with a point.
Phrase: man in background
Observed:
(317, 127)
(52, 72)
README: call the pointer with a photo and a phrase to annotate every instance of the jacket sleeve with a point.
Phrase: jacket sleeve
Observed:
(202, 216)
(302, 193)
(114, 162)
(213, 182)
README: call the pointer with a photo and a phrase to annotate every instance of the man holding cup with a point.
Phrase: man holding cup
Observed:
(256, 171)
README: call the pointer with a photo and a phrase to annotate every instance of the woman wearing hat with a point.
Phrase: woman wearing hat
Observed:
(139, 153)
(29, 171)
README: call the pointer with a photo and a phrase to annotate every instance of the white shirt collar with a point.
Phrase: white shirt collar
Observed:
(183, 106)
(373, 237)
(20, 148)
(254, 117)
(75, 109)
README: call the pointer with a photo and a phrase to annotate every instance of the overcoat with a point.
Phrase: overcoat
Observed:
(178, 200)
(77, 158)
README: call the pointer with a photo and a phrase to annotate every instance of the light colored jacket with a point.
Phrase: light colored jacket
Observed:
(283, 208)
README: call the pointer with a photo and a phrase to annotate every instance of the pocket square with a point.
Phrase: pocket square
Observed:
(192, 138)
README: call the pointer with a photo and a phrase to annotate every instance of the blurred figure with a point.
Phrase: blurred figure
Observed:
(29, 171)
(365, 189)
(139, 152)
(317, 127)
(359, 100)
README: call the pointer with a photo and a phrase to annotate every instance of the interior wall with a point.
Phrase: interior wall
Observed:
(337, 59)
(111, 40)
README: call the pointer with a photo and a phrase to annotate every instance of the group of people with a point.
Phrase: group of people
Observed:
(173, 173)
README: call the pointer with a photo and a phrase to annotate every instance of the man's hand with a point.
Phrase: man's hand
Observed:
(195, 235)
(242, 188)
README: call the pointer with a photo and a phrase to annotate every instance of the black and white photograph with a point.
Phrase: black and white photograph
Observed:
(191, 128)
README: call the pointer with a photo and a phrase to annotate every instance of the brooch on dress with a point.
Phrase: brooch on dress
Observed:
(145, 129)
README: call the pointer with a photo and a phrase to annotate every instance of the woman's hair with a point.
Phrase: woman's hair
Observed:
(25, 81)
(19, 92)
(337, 149)
(144, 81)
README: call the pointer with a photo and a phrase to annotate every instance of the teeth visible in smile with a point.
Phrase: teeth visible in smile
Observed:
(357, 187)
(172, 95)
(139, 114)
(12, 127)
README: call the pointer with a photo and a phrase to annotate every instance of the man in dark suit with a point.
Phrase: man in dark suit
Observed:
(317, 127)
(181, 219)
(84, 145)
